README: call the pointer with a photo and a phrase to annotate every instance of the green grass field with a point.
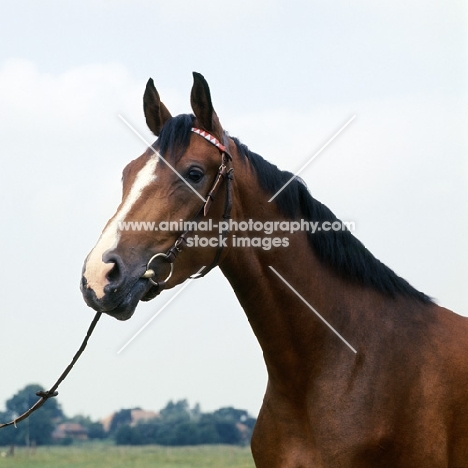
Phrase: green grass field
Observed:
(101, 455)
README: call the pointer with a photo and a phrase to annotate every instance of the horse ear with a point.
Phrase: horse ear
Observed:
(156, 113)
(200, 99)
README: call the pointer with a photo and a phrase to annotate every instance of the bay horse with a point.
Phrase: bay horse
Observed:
(395, 396)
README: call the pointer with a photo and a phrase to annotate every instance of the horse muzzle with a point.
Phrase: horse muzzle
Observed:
(115, 288)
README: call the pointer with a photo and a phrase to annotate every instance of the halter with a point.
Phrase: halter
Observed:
(224, 173)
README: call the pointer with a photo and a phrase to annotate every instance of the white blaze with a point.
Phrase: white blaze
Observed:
(96, 270)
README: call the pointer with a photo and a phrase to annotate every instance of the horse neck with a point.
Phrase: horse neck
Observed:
(286, 328)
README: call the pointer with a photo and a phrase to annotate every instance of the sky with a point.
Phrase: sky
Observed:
(284, 77)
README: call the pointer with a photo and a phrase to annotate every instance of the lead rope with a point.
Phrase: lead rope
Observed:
(45, 395)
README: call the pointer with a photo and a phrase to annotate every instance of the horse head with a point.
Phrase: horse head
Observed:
(173, 182)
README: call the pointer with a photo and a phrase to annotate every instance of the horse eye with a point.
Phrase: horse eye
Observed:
(195, 175)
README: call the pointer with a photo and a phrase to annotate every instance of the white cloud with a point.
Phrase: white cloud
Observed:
(69, 104)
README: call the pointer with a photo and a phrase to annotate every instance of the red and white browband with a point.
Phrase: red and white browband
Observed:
(209, 137)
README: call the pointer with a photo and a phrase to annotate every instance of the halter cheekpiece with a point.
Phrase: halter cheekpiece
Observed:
(224, 173)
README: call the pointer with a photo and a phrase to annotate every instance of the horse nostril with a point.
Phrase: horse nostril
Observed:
(116, 275)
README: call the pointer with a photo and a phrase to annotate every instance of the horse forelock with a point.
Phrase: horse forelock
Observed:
(174, 138)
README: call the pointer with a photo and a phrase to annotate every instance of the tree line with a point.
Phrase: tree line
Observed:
(176, 424)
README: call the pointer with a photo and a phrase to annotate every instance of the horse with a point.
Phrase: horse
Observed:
(364, 370)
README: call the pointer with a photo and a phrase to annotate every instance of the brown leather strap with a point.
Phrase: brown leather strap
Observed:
(227, 215)
(225, 173)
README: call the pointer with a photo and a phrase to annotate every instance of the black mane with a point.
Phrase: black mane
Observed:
(340, 250)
